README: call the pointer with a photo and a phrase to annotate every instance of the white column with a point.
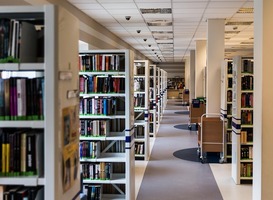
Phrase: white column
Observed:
(215, 56)
(187, 72)
(200, 63)
(192, 74)
(263, 95)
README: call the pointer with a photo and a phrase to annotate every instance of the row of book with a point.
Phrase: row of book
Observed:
(101, 84)
(22, 98)
(21, 193)
(246, 170)
(94, 128)
(89, 149)
(229, 96)
(247, 83)
(139, 85)
(248, 66)
(139, 148)
(101, 62)
(139, 131)
(21, 152)
(229, 67)
(96, 171)
(93, 192)
(230, 82)
(247, 152)
(19, 40)
(96, 191)
(247, 100)
(229, 137)
(246, 136)
(98, 106)
(139, 69)
(139, 100)
(246, 117)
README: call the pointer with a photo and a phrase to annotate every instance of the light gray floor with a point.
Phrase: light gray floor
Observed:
(169, 178)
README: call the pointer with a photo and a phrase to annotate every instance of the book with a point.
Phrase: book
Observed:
(4, 37)
(21, 99)
(30, 154)
(2, 98)
(23, 153)
(28, 43)
(7, 98)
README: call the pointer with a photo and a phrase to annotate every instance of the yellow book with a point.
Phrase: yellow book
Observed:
(3, 157)
(7, 158)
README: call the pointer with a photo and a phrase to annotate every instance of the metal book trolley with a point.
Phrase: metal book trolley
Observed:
(211, 136)
(197, 109)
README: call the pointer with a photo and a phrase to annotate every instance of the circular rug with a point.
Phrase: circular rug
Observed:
(191, 154)
(187, 154)
(186, 127)
(184, 112)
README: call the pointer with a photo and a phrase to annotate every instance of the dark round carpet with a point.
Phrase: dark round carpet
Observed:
(184, 112)
(191, 154)
(186, 127)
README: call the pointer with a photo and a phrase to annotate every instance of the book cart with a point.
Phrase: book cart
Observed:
(141, 108)
(242, 120)
(107, 123)
(211, 136)
(39, 127)
(197, 109)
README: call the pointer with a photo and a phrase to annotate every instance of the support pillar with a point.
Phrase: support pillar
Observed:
(263, 95)
(200, 63)
(192, 74)
(215, 56)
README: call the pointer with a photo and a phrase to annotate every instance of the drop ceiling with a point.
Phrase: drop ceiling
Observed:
(166, 30)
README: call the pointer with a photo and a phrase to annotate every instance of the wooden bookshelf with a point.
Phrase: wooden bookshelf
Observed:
(56, 174)
(226, 104)
(242, 120)
(107, 123)
(141, 108)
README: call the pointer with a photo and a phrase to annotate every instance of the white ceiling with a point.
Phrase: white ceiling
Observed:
(189, 23)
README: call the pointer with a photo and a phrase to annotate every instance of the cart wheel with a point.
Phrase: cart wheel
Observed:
(221, 160)
(198, 153)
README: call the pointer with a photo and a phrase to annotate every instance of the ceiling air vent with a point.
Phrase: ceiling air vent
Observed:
(162, 32)
(239, 23)
(156, 10)
(160, 23)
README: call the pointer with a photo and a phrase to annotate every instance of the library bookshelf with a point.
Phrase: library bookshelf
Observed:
(158, 96)
(163, 91)
(242, 120)
(107, 123)
(39, 139)
(141, 108)
(226, 104)
(153, 102)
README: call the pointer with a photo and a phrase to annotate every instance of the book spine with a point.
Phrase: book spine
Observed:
(2, 99)
(7, 98)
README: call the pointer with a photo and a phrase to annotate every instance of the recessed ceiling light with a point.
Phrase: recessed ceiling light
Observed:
(159, 23)
(239, 23)
(246, 10)
(156, 10)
